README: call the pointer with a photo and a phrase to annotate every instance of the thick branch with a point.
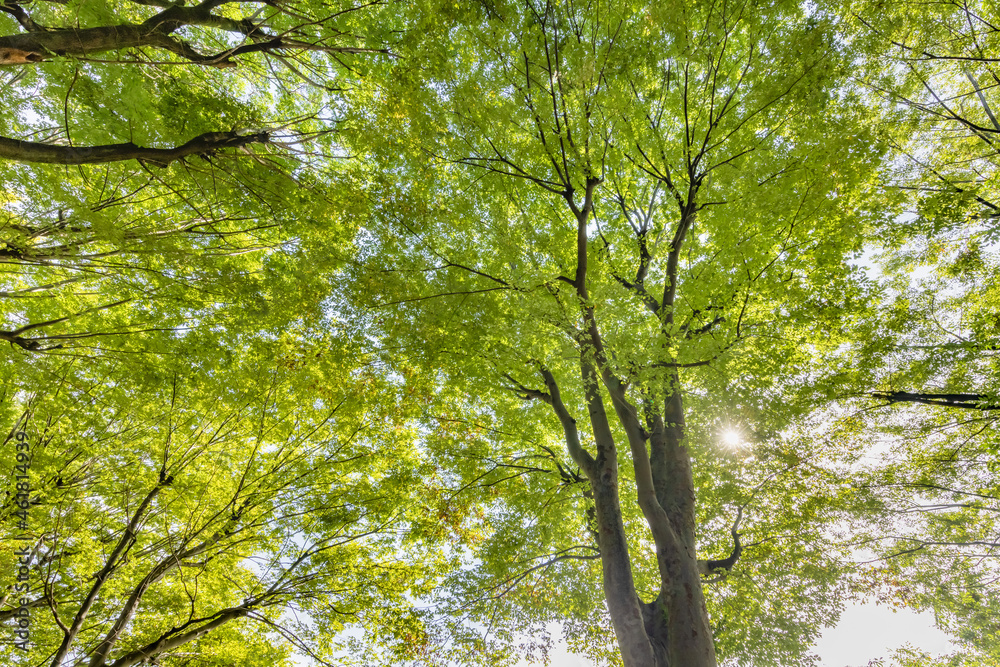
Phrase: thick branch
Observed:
(175, 638)
(673, 259)
(160, 570)
(965, 401)
(19, 15)
(982, 100)
(39, 45)
(649, 504)
(580, 456)
(202, 145)
(43, 343)
(8, 614)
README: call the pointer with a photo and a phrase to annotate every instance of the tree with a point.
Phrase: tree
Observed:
(195, 515)
(929, 356)
(603, 228)
(184, 189)
(942, 83)
(167, 237)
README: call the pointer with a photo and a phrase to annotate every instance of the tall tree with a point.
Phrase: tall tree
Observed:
(942, 83)
(615, 232)
(168, 228)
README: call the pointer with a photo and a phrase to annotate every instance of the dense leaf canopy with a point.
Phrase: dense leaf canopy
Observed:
(410, 332)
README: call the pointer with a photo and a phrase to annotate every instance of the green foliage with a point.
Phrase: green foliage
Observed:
(272, 494)
(332, 343)
(935, 332)
(480, 245)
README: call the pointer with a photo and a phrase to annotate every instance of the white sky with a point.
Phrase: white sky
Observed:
(865, 632)
(869, 631)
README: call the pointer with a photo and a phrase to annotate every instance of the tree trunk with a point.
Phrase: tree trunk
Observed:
(619, 586)
(673, 630)
(681, 607)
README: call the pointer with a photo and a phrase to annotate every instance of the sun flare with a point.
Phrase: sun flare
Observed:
(731, 438)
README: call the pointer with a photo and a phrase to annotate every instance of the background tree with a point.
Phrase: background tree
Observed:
(167, 237)
(242, 521)
(206, 196)
(929, 360)
(943, 79)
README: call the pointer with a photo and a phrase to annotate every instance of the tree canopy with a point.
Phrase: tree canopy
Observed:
(397, 332)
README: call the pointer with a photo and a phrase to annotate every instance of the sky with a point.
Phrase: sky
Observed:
(865, 631)
(870, 631)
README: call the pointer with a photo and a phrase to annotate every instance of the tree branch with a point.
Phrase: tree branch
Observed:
(964, 401)
(203, 145)
(709, 567)
(111, 564)
(580, 456)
